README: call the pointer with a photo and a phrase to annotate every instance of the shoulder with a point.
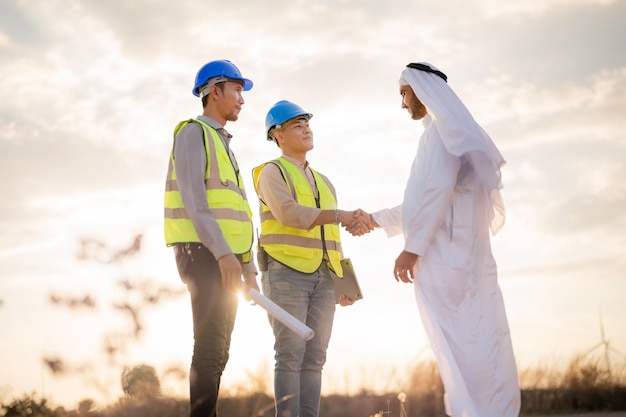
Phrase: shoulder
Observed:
(270, 168)
(188, 137)
(188, 128)
(270, 175)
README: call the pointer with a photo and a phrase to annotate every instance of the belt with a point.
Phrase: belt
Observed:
(243, 258)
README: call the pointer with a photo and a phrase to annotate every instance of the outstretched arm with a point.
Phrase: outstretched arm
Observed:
(360, 223)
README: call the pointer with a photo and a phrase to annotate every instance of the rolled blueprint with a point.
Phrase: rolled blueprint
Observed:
(281, 315)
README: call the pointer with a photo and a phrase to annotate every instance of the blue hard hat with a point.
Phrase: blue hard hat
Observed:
(219, 68)
(280, 113)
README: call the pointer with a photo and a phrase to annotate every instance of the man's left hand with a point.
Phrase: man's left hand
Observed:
(344, 300)
(406, 265)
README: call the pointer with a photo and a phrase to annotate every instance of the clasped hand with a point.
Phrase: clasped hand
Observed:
(359, 224)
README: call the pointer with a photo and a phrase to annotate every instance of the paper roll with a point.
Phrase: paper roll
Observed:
(281, 315)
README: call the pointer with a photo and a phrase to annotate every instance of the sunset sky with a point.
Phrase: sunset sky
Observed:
(91, 91)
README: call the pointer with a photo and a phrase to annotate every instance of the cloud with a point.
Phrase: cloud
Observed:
(601, 208)
(18, 27)
(523, 114)
(113, 80)
(495, 8)
(96, 89)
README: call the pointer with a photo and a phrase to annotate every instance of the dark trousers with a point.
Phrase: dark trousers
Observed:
(214, 310)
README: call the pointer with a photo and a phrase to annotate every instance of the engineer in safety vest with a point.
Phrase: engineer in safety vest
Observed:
(299, 242)
(208, 223)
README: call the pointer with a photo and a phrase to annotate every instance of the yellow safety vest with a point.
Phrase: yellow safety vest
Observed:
(225, 195)
(302, 250)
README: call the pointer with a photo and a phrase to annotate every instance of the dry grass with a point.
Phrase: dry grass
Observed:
(586, 387)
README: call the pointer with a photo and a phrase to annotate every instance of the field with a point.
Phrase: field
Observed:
(585, 388)
(589, 385)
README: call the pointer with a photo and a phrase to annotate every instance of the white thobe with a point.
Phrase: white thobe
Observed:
(445, 219)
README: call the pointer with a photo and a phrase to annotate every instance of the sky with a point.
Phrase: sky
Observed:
(91, 92)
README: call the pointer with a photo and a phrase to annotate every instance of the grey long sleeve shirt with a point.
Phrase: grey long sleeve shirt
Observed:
(191, 162)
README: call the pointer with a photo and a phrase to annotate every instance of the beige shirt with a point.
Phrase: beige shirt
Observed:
(273, 191)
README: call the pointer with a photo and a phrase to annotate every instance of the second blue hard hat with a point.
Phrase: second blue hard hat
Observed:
(281, 112)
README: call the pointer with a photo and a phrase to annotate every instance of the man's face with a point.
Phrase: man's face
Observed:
(230, 100)
(295, 135)
(410, 102)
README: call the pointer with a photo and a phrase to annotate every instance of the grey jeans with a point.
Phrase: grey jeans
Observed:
(298, 368)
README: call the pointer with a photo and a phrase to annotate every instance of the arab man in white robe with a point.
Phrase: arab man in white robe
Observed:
(452, 200)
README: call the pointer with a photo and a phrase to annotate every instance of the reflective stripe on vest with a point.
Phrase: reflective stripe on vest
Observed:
(300, 249)
(225, 194)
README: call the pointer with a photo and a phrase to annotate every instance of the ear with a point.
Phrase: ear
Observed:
(216, 91)
(278, 137)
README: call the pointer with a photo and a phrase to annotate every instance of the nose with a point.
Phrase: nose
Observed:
(241, 100)
(403, 105)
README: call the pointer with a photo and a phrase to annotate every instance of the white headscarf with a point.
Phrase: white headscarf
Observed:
(460, 133)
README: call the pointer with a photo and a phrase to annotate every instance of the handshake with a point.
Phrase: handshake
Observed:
(357, 222)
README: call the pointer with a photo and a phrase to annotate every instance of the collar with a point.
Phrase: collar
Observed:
(215, 125)
(297, 163)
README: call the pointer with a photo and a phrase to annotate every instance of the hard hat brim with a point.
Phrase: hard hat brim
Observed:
(247, 85)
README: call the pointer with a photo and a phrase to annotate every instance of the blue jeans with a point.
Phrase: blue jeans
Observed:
(298, 368)
(214, 310)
